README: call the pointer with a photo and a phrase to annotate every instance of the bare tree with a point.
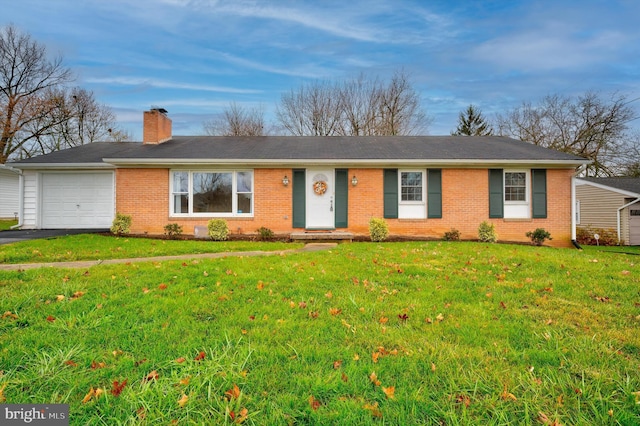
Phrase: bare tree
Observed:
(355, 107)
(472, 123)
(313, 110)
(76, 120)
(588, 126)
(27, 76)
(400, 110)
(237, 121)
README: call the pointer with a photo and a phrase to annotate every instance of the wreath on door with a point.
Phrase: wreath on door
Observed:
(320, 187)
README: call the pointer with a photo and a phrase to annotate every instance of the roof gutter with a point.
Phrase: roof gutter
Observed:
(62, 166)
(483, 163)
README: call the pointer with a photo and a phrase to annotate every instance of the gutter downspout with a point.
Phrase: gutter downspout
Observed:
(573, 211)
(21, 205)
(618, 215)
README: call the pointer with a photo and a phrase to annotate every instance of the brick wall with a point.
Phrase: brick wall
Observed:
(144, 194)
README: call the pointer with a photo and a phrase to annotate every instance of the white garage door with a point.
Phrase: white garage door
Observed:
(77, 200)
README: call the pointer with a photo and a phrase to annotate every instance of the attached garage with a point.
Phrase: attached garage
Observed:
(76, 200)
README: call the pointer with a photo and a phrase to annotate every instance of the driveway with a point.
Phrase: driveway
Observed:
(7, 237)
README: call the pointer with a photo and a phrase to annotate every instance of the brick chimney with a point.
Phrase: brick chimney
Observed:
(156, 126)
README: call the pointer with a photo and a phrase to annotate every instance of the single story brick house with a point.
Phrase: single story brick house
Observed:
(423, 185)
(610, 203)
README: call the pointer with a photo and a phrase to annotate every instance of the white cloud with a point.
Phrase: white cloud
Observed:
(164, 84)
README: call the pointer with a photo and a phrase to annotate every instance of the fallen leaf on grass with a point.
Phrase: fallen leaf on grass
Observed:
(314, 403)
(185, 381)
(93, 393)
(151, 376)
(507, 396)
(383, 320)
(335, 311)
(77, 295)
(337, 364)
(9, 314)
(117, 388)
(389, 392)
(464, 400)
(51, 318)
(433, 367)
(183, 400)
(162, 286)
(374, 379)
(233, 393)
(141, 413)
(71, 363)
(373, 408)
(344, 378)
(200, 356)
(96, 365)
(240, 417)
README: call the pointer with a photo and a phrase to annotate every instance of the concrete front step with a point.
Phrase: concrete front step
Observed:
(322, 236)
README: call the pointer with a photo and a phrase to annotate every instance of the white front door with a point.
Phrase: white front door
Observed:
(320, 196)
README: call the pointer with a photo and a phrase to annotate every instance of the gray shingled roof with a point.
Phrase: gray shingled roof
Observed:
(624, 183)
(289, 148)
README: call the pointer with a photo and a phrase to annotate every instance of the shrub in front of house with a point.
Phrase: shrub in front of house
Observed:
(121, 224)
(218, 229)
(487, 232)
(172, 230)
(452, 235)
(265, 234)
(539, 236)
(378, 229)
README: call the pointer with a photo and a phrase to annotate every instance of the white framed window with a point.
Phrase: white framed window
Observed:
(412, 194)
(211, 193)
(517, 190)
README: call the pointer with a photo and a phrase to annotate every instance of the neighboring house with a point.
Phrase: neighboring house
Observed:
(423, 186)
(610, 203)
(9, 192)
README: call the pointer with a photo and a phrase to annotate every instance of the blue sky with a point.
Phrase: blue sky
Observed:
(194, 57)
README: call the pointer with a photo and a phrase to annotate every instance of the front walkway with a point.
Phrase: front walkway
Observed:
(89, 263)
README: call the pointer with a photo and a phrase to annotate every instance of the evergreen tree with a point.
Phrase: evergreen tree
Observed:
(472, 123)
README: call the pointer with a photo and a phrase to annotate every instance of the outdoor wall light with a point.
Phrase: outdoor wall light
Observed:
(354, 180)
(285, 180)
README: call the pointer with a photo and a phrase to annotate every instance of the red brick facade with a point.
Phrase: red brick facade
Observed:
(144, 194)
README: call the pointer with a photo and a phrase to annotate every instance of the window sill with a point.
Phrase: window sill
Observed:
(517, 219)
(200, 218)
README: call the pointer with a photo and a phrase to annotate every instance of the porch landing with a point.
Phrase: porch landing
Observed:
(322, 236)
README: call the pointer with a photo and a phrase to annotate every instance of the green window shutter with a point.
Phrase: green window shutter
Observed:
(342, 198)
(539, 193)
(496, 193)
(390, 193)
(299, 199)
(434, 193)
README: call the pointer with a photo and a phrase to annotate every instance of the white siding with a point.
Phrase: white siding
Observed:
(30, 200)
(9, 194)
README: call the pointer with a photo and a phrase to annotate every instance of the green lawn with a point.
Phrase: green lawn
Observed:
(389, 333)
(96, 247)
(7, 224)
